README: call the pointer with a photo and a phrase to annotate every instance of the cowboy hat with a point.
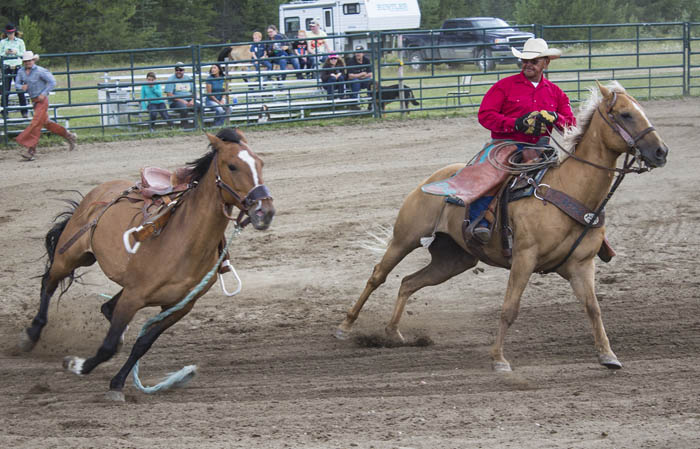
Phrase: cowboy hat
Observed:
(29, 55)
(536, 48)
(10, 28)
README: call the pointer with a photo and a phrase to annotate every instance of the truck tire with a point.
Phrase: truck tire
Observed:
(485, 65)
(414, 60)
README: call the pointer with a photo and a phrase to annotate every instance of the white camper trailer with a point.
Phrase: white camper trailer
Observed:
(348, 17)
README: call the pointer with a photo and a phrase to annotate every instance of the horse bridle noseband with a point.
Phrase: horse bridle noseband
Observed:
(254, 195)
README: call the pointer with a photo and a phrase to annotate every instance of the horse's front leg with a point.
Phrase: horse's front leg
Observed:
(142, 345)
(523, 266)
(582, 280)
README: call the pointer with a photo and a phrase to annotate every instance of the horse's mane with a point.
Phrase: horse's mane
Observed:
(199, 167)
(223, 54)
(573, 135)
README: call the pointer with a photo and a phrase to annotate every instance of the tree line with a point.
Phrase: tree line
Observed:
(66, 26)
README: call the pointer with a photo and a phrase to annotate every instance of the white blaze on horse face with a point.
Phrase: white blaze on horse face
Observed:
(638, 108)
(248, 159)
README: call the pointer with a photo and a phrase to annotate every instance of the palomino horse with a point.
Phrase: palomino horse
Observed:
(165, 268)
(543, 235)
(234, 54)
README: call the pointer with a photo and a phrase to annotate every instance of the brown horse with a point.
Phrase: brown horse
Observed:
(166, 267)
(543, 235)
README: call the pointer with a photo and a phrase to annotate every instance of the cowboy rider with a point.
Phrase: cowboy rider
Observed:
(520, 108)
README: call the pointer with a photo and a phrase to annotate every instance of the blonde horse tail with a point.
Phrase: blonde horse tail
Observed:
(379, 241)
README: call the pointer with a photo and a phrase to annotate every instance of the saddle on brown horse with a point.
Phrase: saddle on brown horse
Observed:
(491, 172)
(159, 190)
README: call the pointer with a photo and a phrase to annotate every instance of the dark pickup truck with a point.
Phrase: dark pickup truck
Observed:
(483, 40)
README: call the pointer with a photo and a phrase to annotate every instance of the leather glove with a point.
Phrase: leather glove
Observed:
(548, 117)
(527, 123)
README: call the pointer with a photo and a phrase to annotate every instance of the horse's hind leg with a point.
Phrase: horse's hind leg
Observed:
(30, 336)
(397, 250)
(582, 281)
(58, 270)
(447, 260)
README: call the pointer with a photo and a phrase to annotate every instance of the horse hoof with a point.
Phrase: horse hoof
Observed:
(25, 343)
(609, 361)
(501, 367)
(341, 334)
(73, 364)
(114, 396)
(395, 336)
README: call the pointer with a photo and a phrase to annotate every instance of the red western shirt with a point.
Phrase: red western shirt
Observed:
(515, 96)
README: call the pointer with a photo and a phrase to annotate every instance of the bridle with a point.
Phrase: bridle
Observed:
(617, 127)
(255, 195)
(630, 159)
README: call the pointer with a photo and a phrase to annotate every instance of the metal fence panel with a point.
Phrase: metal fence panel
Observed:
(428, 72)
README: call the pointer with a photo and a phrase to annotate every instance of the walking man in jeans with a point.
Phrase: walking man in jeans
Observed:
(38, 82)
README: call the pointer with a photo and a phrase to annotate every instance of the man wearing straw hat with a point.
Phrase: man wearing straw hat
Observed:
(38, 82)
(521, 108)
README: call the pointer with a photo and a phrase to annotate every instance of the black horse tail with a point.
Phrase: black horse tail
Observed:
(51, 241)
(224, 53)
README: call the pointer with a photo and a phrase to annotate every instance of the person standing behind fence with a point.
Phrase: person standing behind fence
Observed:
(318, 46)
(11, 50)
(280, 51)
(179, 91)
(155, 104)
(215, 94)
(38, 83)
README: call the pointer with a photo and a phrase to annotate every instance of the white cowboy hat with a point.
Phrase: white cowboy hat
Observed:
(536, 48)
(29, 55)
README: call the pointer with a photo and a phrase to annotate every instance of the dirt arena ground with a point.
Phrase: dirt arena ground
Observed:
(270, 373)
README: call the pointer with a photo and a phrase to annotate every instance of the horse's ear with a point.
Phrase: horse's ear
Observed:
(603, 90)
(214, 141)
(240, 133)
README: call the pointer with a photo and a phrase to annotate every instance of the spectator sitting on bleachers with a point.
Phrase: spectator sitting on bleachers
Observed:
(333, 76)
(154, 103)
(359, 72)
(215, 94)
(179, 91)
(257, 52)
(301, 49)
(281, 51)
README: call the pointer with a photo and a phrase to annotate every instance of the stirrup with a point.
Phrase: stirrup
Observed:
(227, 264)
(127, 245)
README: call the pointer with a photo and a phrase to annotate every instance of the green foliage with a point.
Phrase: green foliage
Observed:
(564, 12)
(62, 26)
(32, 34)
